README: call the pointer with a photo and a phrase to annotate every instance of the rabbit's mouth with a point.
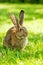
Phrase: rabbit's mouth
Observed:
(20, 37)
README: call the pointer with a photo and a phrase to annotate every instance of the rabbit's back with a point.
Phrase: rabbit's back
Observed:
(8, 39)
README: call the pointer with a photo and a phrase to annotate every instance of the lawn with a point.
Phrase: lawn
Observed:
(33, 21)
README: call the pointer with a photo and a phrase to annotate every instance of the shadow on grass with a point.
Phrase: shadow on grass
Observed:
(29, 13)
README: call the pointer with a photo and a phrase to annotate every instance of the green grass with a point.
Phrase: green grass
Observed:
(33, 21)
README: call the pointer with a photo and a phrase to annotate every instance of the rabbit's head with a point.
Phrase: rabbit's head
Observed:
(20, 29)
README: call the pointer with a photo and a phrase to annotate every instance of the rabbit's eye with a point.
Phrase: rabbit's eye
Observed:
(20, 29)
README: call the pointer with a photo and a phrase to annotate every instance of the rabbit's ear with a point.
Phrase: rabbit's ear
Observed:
(14, 20)
(21, 16)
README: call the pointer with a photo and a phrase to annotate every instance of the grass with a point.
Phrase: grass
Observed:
(33, 53)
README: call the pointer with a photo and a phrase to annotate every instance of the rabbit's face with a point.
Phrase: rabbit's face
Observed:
(22, 33)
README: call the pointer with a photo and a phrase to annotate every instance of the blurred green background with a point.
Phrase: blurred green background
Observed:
(33, 21)
(22, 1)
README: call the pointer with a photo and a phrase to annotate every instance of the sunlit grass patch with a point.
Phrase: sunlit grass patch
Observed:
(35, 26)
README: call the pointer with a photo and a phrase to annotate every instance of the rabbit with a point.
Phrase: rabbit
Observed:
(16, 36)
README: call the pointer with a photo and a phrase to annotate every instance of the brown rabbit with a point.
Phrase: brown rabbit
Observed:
(16, 36)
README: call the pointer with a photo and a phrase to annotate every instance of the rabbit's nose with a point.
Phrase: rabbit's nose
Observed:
(26, 33)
